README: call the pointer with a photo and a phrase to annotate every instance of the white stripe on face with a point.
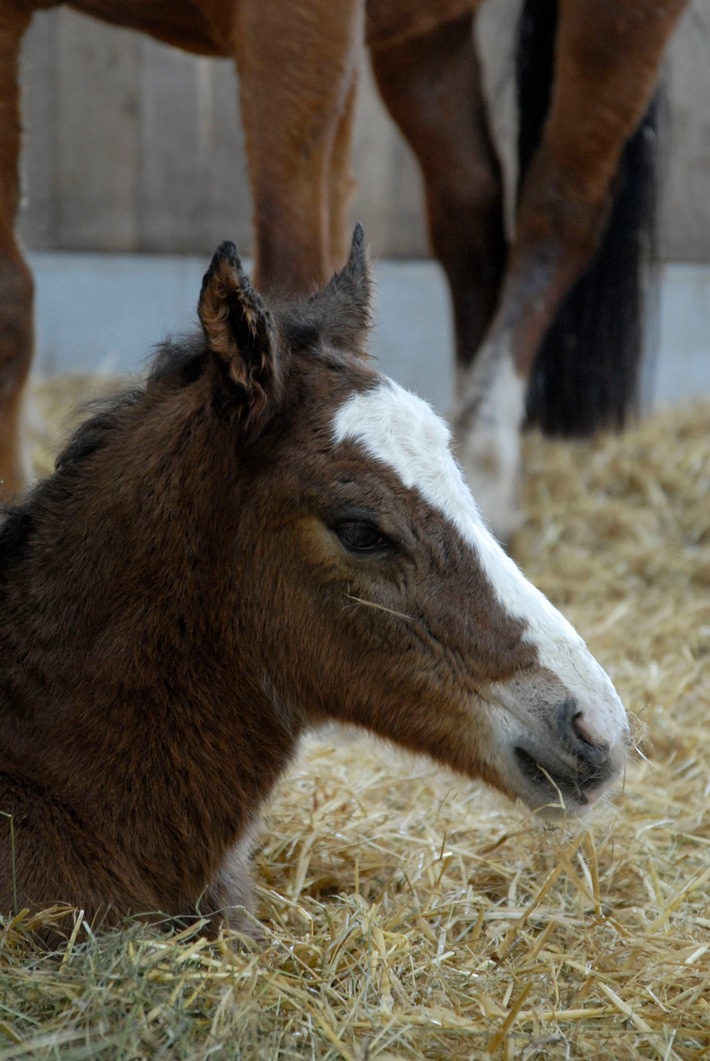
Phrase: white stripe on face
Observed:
(403, 432)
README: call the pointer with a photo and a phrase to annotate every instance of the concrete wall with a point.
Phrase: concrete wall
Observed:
(132, 146)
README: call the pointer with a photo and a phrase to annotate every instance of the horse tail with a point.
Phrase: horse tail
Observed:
(587, 373)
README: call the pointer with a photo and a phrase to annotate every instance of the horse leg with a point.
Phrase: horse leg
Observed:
(607, 62)
(297, 63)
(229, 899)
(16, 287)
(432, 87)
(341, 182)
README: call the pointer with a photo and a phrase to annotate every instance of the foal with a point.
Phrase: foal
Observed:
(266, 536)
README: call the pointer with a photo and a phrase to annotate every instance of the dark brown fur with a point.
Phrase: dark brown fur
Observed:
(173, 613)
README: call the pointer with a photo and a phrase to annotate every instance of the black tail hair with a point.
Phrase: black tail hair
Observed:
(587, 373)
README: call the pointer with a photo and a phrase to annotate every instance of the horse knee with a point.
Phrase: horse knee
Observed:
(467, 236)
(558, 232)
(466, 220)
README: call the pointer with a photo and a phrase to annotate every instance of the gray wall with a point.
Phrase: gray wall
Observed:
(132, 146)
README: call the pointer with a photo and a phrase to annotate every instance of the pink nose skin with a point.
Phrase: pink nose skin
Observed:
(577, 738)
(585, 733)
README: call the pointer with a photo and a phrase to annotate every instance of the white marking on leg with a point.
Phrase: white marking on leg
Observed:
(489, 448)
(401, 430)
(229, 895)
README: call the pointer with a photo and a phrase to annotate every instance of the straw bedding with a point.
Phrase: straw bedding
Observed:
(409, 913)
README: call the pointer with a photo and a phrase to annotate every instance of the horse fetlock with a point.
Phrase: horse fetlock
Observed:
(487, 436)
(490, 458)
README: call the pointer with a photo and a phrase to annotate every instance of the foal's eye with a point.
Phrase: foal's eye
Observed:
(361, 537)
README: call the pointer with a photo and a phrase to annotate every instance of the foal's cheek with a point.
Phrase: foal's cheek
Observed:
(359, 610)
(313, 554)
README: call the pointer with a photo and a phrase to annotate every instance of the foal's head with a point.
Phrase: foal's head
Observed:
(370, 590)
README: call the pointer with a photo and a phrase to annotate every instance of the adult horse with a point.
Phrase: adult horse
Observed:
(267, 536)
(298, 64)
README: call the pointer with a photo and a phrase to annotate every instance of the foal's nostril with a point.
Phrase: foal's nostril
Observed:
(577, 736)
(582, 732)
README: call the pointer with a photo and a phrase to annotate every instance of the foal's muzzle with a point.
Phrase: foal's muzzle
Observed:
(572, 768)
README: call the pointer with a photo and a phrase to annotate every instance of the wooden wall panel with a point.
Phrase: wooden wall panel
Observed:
(96, 102)
(685, 185)
(134, 146)
(192, 169)
(131, 145)
(39, 184)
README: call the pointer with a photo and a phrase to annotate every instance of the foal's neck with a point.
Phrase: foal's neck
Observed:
(140, 693)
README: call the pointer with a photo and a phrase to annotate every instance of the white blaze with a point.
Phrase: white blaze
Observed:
(401, 430)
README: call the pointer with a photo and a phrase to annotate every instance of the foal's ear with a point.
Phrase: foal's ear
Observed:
(345, 303)
(238, 327)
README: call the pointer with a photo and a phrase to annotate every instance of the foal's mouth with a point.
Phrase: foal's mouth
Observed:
(576, 786)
